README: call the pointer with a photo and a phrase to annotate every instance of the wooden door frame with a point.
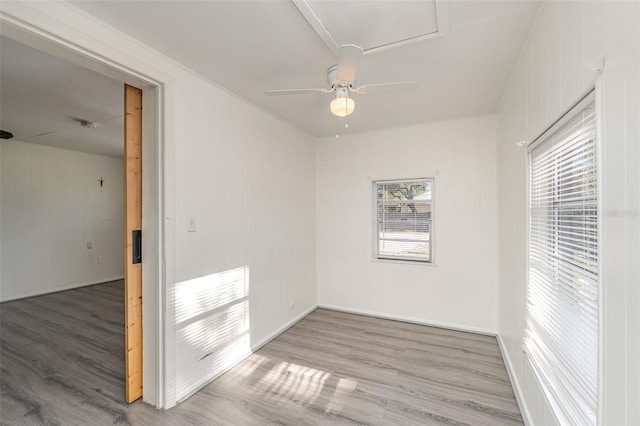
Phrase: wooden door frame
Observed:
(66, 39)
(133, 243)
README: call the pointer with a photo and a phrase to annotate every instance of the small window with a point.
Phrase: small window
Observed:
(403, 211)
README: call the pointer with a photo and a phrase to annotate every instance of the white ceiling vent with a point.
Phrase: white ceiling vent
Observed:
(375, 25)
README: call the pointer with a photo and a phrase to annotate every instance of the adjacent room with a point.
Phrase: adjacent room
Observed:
(320, 212)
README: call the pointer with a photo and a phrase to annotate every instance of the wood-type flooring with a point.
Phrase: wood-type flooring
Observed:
(62, 363)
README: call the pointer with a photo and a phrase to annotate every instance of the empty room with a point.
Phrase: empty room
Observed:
(313, 212)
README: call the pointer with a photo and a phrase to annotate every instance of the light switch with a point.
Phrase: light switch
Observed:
(191, 224)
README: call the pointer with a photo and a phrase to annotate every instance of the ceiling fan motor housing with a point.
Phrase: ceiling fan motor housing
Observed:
(332, 78)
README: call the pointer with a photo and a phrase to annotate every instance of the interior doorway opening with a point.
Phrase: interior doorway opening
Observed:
(152, 288)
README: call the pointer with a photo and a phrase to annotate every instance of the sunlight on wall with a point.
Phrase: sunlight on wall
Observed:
(212, 330)
(199, 295)
(212, 316)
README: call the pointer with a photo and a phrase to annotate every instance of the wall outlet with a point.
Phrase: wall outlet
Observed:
(292, 305)
(89, 245)
(99, 260)
(191, 224)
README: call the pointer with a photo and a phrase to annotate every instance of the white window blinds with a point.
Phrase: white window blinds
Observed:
(403, 219)
(561, 338)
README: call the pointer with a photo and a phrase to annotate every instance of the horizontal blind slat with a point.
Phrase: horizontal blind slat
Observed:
(561, 335)
(404, 219)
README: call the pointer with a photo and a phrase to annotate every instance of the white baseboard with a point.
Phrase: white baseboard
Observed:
(254, 348)
(279, 331)
(419, 321)
(514, 383)
(64, 288)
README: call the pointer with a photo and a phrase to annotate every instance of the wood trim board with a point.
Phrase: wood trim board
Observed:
(133, 221)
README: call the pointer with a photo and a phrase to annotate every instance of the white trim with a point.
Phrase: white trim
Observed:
(153, 277)
(375, 244)
(65, 288)
(58, 28)
(25, 32)
(86, 15)
(442, 17)
(513, 378)
(442, 23)
(411, 320)
(402, 261)
(206, 383)
(599, 106)
(583, 100)
(279, 331)
(314, 21)
(408, 180)
(254, 348)
(423, 37)
(587, 97)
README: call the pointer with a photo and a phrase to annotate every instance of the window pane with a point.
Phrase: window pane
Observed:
(561, 336)
(403, 216)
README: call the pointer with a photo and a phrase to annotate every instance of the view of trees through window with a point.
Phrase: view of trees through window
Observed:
(403, 211)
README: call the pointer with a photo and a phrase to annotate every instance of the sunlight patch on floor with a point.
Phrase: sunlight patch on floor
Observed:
(340, 394)
(292, 384)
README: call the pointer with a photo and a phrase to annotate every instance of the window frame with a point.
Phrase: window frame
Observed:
(376, 257)
(591, 96)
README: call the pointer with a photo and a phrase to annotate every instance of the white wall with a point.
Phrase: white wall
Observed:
(249, 180)
(52, 205)
(460, 290)
(197, 127)
(567, 44)
(246, 176)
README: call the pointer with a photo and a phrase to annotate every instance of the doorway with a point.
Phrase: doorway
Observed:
(150, 372)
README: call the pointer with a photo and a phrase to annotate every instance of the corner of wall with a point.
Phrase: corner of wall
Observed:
(515, 383)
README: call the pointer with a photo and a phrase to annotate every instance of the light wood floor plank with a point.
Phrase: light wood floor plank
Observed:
(61, 363)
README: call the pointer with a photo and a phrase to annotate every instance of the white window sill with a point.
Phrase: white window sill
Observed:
(404, 262)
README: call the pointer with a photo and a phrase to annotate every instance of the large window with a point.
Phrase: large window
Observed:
(403, 211)
(561, 337)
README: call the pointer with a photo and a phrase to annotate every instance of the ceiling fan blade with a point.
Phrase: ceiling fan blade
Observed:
(295, 92)
(400, 86)
(349, 56)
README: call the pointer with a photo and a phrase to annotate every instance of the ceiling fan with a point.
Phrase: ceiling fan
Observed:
(341, 78)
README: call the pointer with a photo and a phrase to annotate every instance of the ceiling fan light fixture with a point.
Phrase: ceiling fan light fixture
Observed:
(342, 106)
(341, 78)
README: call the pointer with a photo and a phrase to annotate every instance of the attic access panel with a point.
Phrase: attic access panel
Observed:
(375, 25)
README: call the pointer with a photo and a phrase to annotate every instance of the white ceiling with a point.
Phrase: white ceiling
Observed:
(381, 26)
(249, 47)
(252, 46)
(41, 97)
